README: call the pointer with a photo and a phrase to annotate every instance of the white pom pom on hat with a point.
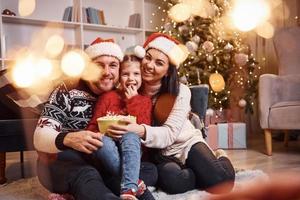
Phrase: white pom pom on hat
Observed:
(168, 46)
(136, 50)
(104, 47)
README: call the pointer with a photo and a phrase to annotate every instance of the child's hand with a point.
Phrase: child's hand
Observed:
(131, 91)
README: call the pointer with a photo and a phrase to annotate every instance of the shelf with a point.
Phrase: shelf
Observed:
(6, 59)
(107, 28)
(16, 31)
(37, 22)
(150, 30)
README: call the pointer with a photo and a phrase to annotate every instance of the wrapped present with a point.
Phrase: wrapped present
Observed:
(212, 136)
(232, 135)
(226, 136)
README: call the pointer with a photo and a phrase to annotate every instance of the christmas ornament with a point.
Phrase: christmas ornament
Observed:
(209, 58)
(208, 46)
(168, 27)
(184, 30)
(192, 46)
(241, 59)
(195, 39)
(242, 103)
(216, 82)
(180, 12)
(209, 112)
(228, 47)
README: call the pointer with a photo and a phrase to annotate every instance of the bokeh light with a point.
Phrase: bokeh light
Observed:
(92, 72)
(73, 64)
(44, 68)
(202, 8)
(26, 7)
(180, 12)
(54, 45)
(265, 30)
(247, 14)
(23, 73)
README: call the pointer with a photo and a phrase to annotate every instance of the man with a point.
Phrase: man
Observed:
(66, 163)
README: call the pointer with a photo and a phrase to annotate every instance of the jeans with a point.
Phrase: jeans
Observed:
(203, 171)
(72, 174)
(78, 174)
(122, 157)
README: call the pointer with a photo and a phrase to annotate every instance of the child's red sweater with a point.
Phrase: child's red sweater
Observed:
(138, 106)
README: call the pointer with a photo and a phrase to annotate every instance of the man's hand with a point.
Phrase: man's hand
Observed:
(84, 141)
(130, 91)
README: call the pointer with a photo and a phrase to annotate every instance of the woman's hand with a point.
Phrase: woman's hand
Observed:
(117, 131)
(84, 141)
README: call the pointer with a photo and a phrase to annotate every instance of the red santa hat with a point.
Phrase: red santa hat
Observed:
(167, 45)
(101, 47)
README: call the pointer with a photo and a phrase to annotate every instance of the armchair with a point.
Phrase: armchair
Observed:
(279, 95)
(17, 125)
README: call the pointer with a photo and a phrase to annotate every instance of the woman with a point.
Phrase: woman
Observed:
(185, 162)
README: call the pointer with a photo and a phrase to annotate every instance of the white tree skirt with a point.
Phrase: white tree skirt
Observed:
(30, 189)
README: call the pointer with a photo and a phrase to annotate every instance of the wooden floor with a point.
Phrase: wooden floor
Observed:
(283, 159)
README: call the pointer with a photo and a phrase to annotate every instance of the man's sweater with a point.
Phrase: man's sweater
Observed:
(66, 110)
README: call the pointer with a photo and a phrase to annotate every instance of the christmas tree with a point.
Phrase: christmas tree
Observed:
(217, 56)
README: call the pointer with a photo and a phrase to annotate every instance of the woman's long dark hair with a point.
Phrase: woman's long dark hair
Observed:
(170, 82)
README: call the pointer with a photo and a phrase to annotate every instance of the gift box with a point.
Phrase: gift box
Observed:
(212, 136)
(226, 136)
(232, 135)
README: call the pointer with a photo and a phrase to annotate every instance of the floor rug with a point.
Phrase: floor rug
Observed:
(30, 189)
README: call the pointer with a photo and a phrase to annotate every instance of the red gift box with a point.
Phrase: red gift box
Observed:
(226, 136)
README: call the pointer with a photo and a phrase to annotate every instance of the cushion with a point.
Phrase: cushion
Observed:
(287, 46)
(285, 115)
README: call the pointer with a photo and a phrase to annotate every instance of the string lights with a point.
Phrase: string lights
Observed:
(231, 57)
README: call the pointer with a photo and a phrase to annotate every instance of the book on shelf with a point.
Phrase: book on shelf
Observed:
(68, 14)
(72, 13)
(101, 17)
(135, 20)
(84, 15)
(95, 16)
(91, 15)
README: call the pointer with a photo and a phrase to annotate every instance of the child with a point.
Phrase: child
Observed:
(124, 101)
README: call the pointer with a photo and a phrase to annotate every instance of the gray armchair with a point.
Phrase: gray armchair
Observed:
(279, 95)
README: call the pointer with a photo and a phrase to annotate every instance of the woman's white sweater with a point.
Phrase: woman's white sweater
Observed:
(177, 135)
